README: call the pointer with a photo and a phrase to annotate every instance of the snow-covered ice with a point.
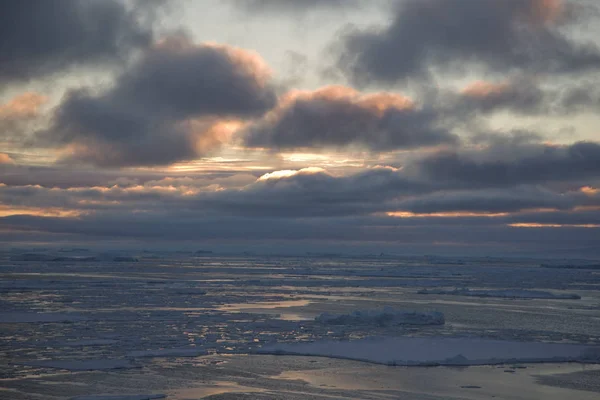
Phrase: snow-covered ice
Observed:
(439, 351)
(508, 293)
(386, 316)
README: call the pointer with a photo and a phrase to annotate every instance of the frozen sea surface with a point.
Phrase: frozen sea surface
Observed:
(183, 326)
(440, 351)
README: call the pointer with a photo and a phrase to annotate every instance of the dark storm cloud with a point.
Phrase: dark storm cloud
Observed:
(591, 217)
(64, 177)
(42, 37)
(19, 115)
(307, 193)
(339, 117)
(494, 200)
(500, 166)
(310, 193)
(519, 97)
(309, 205)
(314, 193)
(318, 195)
(462, 233)
(577, 98)
(527, 35)
(165, 107)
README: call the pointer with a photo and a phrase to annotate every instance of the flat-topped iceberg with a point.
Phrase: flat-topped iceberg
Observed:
(386, 316)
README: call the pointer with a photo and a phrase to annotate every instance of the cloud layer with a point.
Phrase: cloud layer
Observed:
(338, 116)
(45, 37)
(168, 106)
(496, 35)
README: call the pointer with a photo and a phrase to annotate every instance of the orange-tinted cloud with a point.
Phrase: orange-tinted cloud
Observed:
(339, 116)
(540, 225)
(589, 190)
(483, 89)
(455, 214)
(6, 159)
(547, 11)
(26, 105)
(248, 62)
(377, 103)
(178, 101)
(6, 211)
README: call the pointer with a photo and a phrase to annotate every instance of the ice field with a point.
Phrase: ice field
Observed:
(180, 326)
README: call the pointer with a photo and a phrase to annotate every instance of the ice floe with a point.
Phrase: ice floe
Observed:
(439, 351)
(382, 317)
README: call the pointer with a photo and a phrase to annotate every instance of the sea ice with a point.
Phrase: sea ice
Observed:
(439, 351)
(508, 293)
(82, 365)
(177, 352)
(382, 317)
(121, 397)
(29, 317)
(88, 342)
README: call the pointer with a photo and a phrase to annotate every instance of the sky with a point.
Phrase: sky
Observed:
(460, 127)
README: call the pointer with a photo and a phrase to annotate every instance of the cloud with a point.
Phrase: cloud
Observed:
(44, 37)
(503, 164)
(294, 6)
(463, 236)
(19, 115)
(306, 193)
(312, 204)
(497, 35)
(493, 201)
(338, 116)
(25, 105)
(6, 159)
(179, 101)
(519, 96)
